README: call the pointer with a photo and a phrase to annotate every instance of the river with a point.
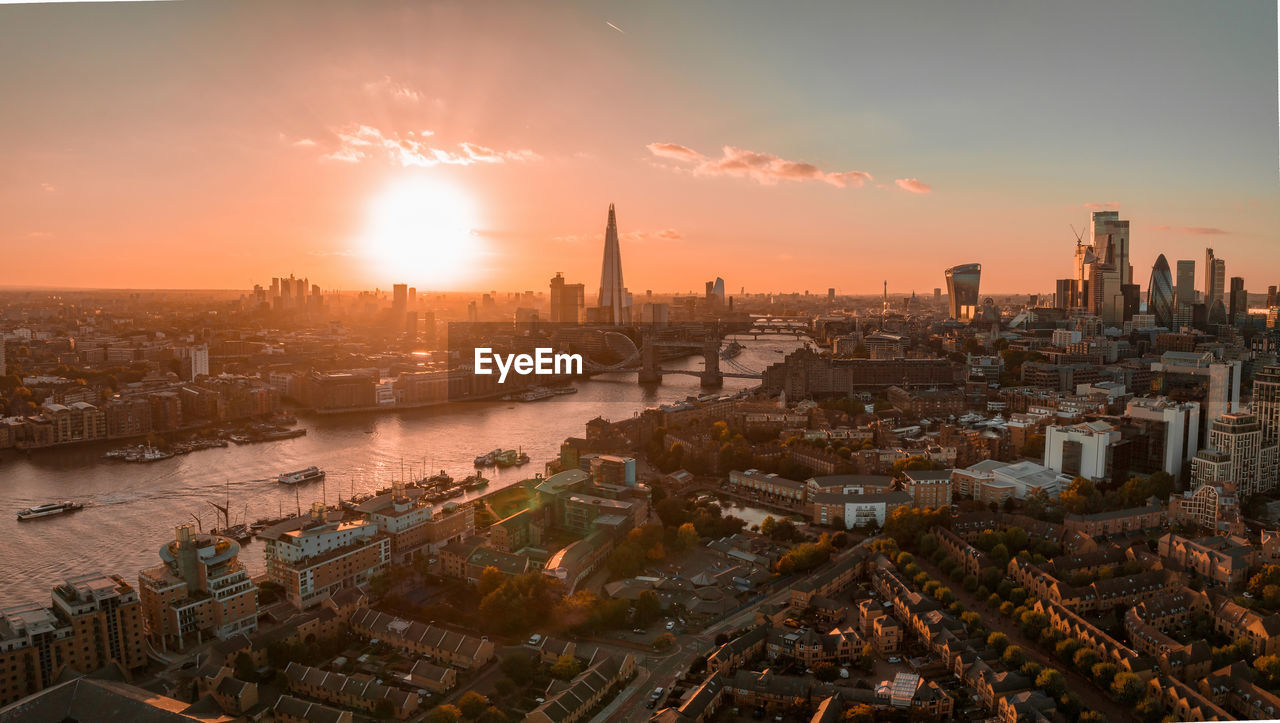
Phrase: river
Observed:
(131, 509)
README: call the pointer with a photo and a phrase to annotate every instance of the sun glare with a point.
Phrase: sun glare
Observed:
(419, 231)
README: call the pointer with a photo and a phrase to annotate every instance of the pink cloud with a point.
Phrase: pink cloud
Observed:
(763, 168)
(913, 185)
(358, 143)
(1194, 230)
(1103, 206)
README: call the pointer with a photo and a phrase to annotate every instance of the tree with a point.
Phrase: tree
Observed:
(518, 667)
(444, 714)
(1267, 665)
(1150, 709)
(826, 672)
(664, 641)
(688, 536)
(1052, 682)
(245, 669)
(492, 715)
(504, 687)
(472, 704)
(1104, 673)
(766, 525)
(860, 713)
(490, 579)
(1014, 656)
(1127, 687)
(648, 608)
(1085, 659)
(566, 667)
(1092, 716)
(998, 642)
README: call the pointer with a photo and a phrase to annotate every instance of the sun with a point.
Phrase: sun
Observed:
(421, 232)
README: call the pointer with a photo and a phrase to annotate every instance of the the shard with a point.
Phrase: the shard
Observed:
(613, 298)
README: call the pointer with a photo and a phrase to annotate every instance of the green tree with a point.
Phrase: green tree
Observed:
(444, 714)
(648, 608)
(1104, 673)
(490, 579)
(1052, 682)
(826, 672)
(566, 667)
(472, 704)
(518, 667)
(998, 641)
(1014, 656)
(1127, 687)
(1085, 659)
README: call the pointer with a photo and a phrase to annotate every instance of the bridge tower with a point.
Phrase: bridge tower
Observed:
(711, 376)
(649, 372)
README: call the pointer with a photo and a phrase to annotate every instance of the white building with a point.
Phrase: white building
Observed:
(1080, 449)
(1181, 422)
(199, 361)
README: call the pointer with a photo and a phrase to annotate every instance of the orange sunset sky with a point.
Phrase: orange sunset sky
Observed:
(477, 145)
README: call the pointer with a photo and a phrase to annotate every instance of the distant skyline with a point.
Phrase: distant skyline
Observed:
(475, 145)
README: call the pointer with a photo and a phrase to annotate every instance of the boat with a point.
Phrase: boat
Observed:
(533, 394)
(512, 458)
(310, 474)
(240, 533)
(439, 480)
(731, 350)
(474, 482)
(446, 494)
(146, 453)
(55, 508)
(488, 459)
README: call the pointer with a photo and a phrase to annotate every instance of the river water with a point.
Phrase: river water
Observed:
(132, 508)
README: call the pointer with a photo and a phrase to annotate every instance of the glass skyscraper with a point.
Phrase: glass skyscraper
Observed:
(962, 290)
(1160, 297)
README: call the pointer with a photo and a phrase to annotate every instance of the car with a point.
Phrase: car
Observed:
(653, 703)
(844, 673)
(895, 659)
(657, 693)
(671, 625)
(638, 631)
(535, 639)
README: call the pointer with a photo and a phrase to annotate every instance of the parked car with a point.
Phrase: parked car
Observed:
(671, 625)
(535, 639)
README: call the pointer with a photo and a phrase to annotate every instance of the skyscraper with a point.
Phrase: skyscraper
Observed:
(399, 301)
(566, 301)
(1186, 283)
(1238, 301)
(1160, 298)
(1215, 278)
(1266, 403)
(962, 290)
(613, 299)
(199, 361)
(1111, 242)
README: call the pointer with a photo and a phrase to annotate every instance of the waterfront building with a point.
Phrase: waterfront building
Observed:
(314, 556)
(414, 525)
(201, 590)
(95, 621)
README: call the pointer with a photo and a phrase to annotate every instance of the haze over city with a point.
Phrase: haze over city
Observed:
(469, 146)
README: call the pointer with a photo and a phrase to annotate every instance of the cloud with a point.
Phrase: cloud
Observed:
(304, 143)
(1104, 206)
(913, 185)
(359, 142)
(48, 187)
(615, 27)
(339, 252)
(764, 168)
(666, 234)
(389, 88)
(1194, 230)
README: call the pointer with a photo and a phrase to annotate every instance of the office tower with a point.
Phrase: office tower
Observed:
(831, 294)
(567, 301)
(937, 295)
(1271, 297)
(1106, 297)
(1186, 283)
(199, 361)
(1065, 294)
(411, 325)
(613, 298)
(717, 289)
(1175, 437)
(2, 359)
(429, 328)
(1160, 295)
(1199, 377)
(399, 300)
(413, 297)
(1111, 242)
(962, 290)
(1217, 314)
(1238, 307)
(1215, 278)
(1131, 300)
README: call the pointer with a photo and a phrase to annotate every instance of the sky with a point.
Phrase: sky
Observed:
(781, 146)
